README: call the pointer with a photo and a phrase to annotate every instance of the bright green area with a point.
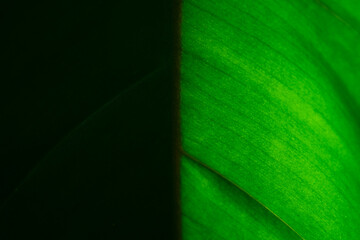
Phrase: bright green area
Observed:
(270, 96)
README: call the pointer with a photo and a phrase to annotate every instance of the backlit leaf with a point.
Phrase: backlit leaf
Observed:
(270, 100)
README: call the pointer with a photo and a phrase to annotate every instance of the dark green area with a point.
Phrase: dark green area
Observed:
(86, 120)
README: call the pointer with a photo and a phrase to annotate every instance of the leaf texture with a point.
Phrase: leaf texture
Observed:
(270, 100)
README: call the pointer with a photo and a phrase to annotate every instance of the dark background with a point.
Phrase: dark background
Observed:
(87, 119)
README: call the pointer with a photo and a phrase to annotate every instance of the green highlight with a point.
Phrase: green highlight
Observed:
(270, 100)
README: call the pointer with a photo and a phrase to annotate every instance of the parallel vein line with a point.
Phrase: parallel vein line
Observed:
(337, 16)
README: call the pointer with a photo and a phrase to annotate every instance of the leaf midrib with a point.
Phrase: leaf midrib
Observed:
(197, 161)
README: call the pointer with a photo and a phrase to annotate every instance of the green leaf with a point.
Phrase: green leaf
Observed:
(270, 114)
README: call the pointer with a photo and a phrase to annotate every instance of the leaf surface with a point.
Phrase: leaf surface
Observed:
(270, 101)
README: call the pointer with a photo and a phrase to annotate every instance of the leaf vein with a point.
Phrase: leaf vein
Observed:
(238, 187)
